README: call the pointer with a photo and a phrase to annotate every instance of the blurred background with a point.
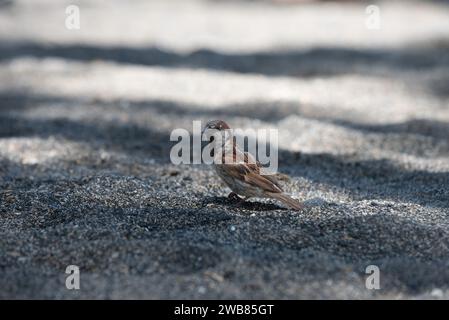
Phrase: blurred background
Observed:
(359, 92)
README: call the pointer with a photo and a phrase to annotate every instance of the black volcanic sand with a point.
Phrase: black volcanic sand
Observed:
(86, 179)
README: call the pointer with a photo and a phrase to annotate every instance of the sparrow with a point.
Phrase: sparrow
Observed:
(241, 173)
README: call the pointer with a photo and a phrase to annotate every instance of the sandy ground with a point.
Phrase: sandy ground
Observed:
(85, 177)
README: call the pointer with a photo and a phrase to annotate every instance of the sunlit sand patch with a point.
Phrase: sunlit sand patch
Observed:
(35, 151)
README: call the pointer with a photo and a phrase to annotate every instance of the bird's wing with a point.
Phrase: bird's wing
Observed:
(250, 161)
(274, 180)
(263, 182)
(243, 167)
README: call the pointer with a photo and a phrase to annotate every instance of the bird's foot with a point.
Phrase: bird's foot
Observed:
(239, 201)
(234, 196)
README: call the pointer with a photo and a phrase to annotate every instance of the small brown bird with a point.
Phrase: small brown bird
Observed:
(241, 172)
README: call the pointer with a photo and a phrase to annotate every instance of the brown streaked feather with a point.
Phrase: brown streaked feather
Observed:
(274, 180)
(239, 168)
(262, 182)
(250, 161)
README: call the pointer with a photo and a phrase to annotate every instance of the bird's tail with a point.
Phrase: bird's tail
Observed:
(290, 202)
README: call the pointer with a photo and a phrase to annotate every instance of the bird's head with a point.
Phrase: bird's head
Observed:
(215, 129)
(219, 125)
